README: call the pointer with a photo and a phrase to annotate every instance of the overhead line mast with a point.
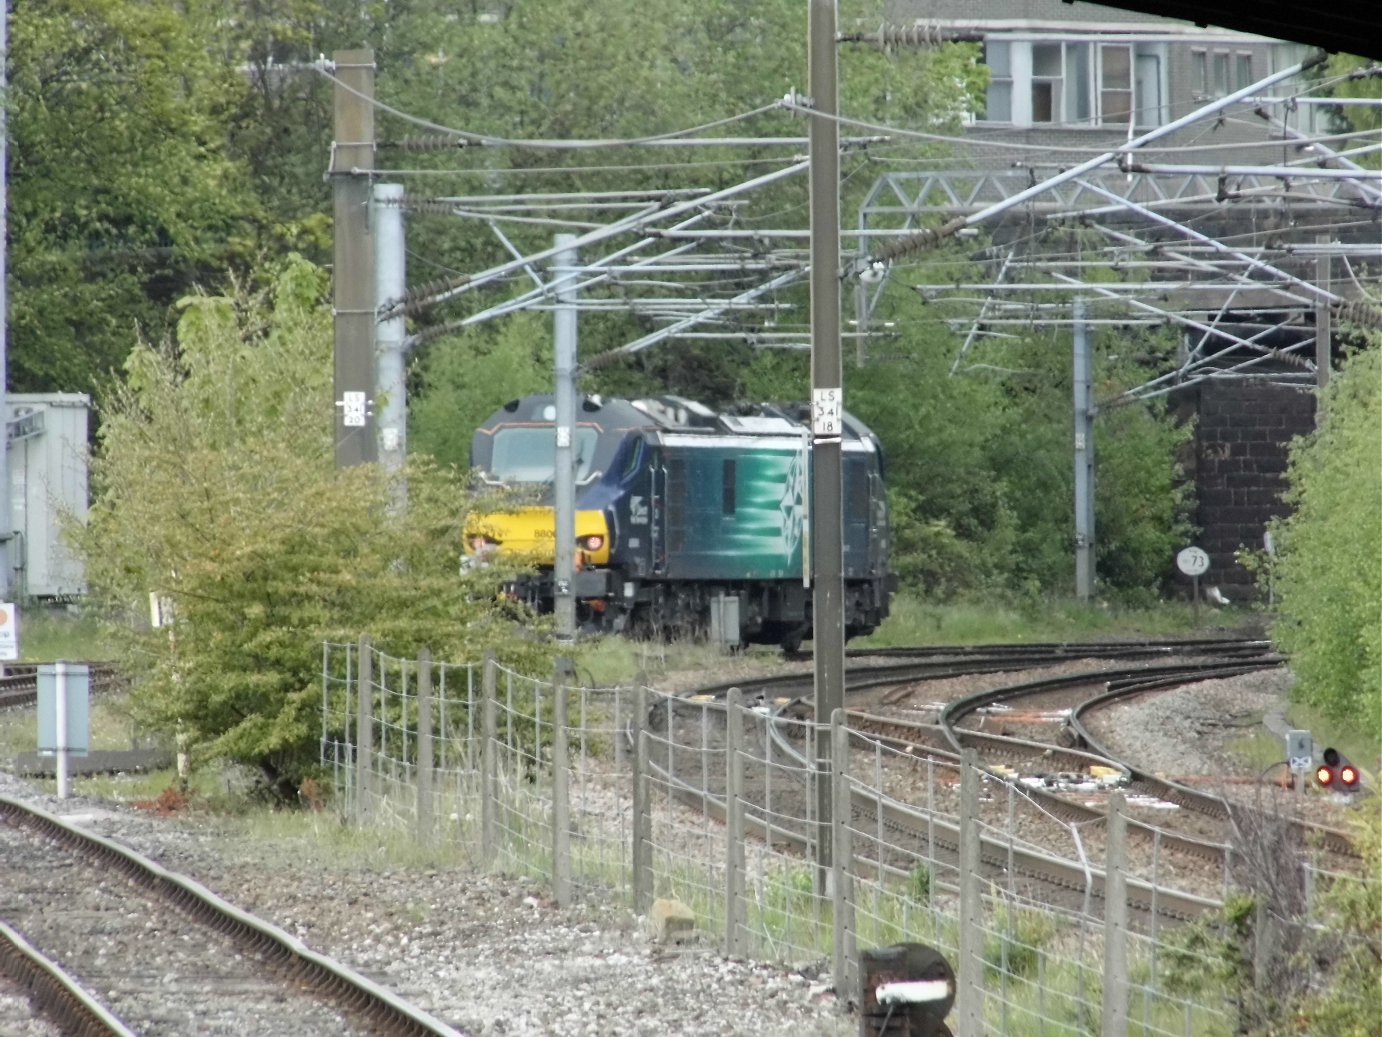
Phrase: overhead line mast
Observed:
(827, 406)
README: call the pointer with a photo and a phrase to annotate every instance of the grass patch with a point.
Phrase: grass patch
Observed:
(1259, 750)
(914, 621)
(618, 660)
(112, 727)
(50, 634)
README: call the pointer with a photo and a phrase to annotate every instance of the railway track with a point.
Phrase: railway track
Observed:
(110, 943)
(1070, 698)
(19, 682)
(1020, 863)
(889, 837)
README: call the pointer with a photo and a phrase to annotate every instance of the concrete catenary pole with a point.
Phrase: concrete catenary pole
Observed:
(827, 400)
(6, 515)
(352, 160)
(1323, 331)
(1084, 456)
(390, 366)
(564, 479)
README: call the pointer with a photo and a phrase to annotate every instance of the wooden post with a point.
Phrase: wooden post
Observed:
(841, 853)
(969, 994)
(1115, 1015)
(364, 730)
(489, 778)
(642, 809)
(425, 763)
(561, 792)
(736, 910)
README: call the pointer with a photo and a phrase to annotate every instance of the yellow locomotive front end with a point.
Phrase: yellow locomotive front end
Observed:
(528, 535)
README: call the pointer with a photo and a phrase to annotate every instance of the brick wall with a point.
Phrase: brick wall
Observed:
(1239, 468)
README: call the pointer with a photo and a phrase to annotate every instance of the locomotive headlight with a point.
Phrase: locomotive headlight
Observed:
(593, 543)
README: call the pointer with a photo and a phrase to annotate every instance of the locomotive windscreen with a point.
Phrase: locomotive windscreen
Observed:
(528, 455)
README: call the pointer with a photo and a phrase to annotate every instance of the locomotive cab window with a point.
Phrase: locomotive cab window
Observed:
(633, 454)
(727, 496)
(528, 455)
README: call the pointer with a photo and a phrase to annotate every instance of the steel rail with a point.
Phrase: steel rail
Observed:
(350, 991)
(1333, 839)
(1006, 857)
(53, 993)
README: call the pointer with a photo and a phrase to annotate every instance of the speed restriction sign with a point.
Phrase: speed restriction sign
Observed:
(1192, 561)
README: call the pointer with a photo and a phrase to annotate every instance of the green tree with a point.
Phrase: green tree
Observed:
(543, 70)
(120, 194)
(1356, 77)
(483, 369)
(1348, 1002)
(1328, 571)
(216, 488)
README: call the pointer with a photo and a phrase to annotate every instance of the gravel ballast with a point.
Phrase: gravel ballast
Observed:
(493, 954)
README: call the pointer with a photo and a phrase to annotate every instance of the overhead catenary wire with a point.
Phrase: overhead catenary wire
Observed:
(630, 224)
(490, 211)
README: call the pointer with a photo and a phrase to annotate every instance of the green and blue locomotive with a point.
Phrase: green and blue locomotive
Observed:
(681, 511)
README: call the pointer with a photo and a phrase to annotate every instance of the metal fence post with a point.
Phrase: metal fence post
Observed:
(841, 854)
(969, 993)
(364, 730)
(488, 762)
(1115, 1014)
(561, 790)
(425, 764)
(736, 909)
(642, 809)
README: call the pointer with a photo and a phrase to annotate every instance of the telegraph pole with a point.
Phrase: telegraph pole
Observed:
(6, 513)
(352, 162)
(827, 405)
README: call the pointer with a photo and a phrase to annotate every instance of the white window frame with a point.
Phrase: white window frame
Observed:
(1077, 96)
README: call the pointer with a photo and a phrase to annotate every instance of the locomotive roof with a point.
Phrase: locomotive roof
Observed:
(673, 414)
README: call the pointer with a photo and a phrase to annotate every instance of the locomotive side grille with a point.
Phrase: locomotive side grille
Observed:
(676, 504)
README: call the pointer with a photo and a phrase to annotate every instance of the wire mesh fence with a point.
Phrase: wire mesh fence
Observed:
(632, 795)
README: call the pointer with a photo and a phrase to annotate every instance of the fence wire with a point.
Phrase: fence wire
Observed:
(625, 795)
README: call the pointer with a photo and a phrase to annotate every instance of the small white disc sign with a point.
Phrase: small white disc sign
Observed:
(1192, 561)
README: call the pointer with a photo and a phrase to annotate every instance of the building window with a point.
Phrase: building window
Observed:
(999, 107)
(1048, 74)
(1199, 73)
(1220, 66)
(1071, 82)
(1243, 71)
(1115, 82)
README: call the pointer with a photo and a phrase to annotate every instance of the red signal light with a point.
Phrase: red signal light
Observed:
(1335, 772)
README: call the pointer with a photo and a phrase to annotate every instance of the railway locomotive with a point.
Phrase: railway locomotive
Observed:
(686, 520)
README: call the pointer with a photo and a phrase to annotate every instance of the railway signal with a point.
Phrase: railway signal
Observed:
(1335, 772)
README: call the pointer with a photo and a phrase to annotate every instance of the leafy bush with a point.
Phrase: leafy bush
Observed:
(1328, 572)
(1348, 1002)
(216, 490)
